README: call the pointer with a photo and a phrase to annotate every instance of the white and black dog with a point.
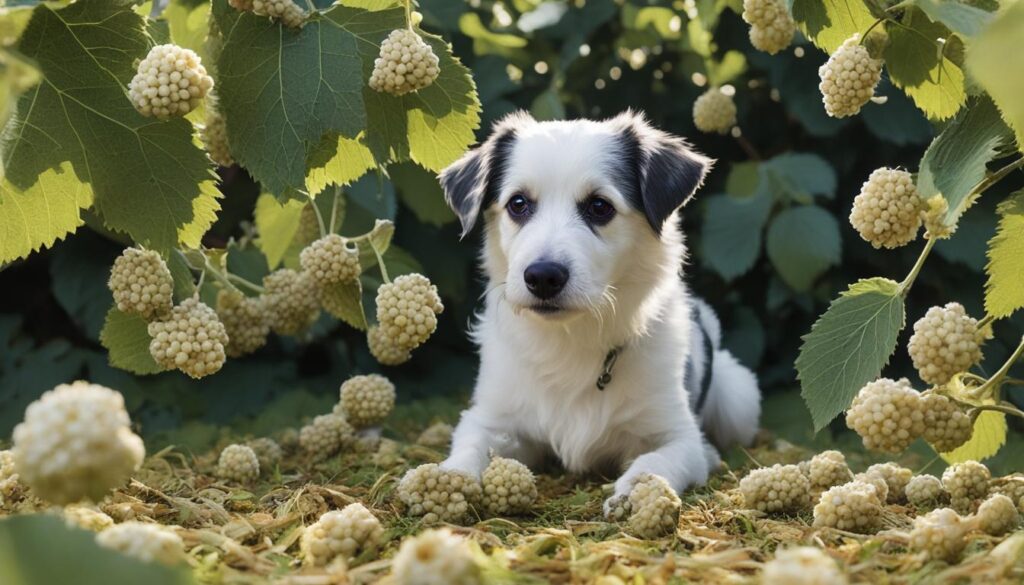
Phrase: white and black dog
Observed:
(591, 347)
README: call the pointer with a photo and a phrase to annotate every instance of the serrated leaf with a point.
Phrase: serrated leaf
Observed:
(380, 236)
(800, 174)
(75, 138)
(337, 161)
(420, 191)
(959, 17)
(1002, 77)
(802, 243)
(1004, 290)
(276, 224)
(954, 162)
(848, 346)
(731, 238)
(989, 436)
(920, 65)
(344, 301)
(830, 22)
(127, 340)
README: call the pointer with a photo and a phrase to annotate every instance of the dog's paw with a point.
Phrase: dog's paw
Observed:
(440, 495)
(617, 508)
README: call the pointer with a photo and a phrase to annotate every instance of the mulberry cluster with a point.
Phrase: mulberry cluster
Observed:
(290, 301)
(215, 137)
(854, 507)
(654, 507)
(803, 565)
(896, 479)
(887, 414)
(190, 339)
(776, 489)
(714, 111)
(925, 491)
(887, 211)
(267, 451)
(848, 78)
(407, 310)
(967, 484)
(508, 487)
(997, 515)
(435, 557)
(245, 322)
(827, 469)
(367, 400)
(286, 11)
(436, 436)
(87, 518)
(1011, 486)
(939, 534)
(9, 484)
(946, 425)
(439, 495)
(383, 350)
(141, 283)
(345, 533)
(238, 463)
(326, 435)
(945, 342)
(875, 481)
(171, 81)
(771, 26)
(76, 443)
(149, 543)
(406, 63)
(330, 260)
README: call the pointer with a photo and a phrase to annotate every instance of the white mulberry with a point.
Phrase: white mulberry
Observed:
(967, 484)
(802, 565)
(290, 301)
(887, 211)
(827, 469)
(76, 443)
(896, 479)
(654, 507)
(141, 283)
(191, 339)
(407, 310)
(876, 481)
(848, 78)
(946, 425)
(1011, 486)
(367, 400)
(997, 515)
(347, 533)
(10, 487)
(148, 543)
(508, 487)
(383, 350)
(287, 11)
(939, 534)
(439, 494)
(238, 463)
(854, 506)
(406, 63)
(436, 436)
(326, 435)
(245, 322)
(214, 134)
(435, 557)
(924, 491)
(945, 342)
(171, 81)
(267, 451)
(771, 26)
(87, 518)
(776, 489)
(714, 111)
(887, 414)
(331, 260)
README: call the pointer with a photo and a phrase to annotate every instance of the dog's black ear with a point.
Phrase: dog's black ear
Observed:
(473, 182)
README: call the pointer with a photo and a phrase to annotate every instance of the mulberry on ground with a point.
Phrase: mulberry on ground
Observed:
(854, 507)
(509, 487)
(326, 435)
(383, 350)
(238, 463)
(939, 534)
(887, 211)
(654, 508)
(848, 78)
(925, 491)
(771, 26)
(1011, 486)
(435, 557)
(436, 436)
(876, 481)
(367, 400)
(215, 137)
(946, 425)
(827, 469)
(286, 11)
(149, 543)
(945, 342)
(290, 301)
(407, 310)
(776, 489)
(714, 111)
(267, 451)
(10, 487)
(190, 339)
(346, 533)
(141, 283)
(330, 260)
(896, 479)
(439, 495)
(406, 63)
(802, 565)
(967, 484)
(997, 515)
(887, 414)
(245, 322)
(87, 518)
(76, 443)
(171, 81)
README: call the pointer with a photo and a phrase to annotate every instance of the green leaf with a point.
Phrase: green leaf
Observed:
(1002, 77)
(848, 346)
(420, 191)
(830, 22)
(486, 41)
(189, 23)
(127, 339)
(184, 283)
(989, 436)
(920, 65)
(959, 17)
(1004, 290)
(276, 224)
(73, 142)
(344, 301)
(798, 174)
(337, 161)
(731, 240)
(802, 243)
(547, 106)
(955, 161)
(380, 237)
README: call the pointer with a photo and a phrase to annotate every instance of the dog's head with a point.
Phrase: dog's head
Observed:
(571, 206)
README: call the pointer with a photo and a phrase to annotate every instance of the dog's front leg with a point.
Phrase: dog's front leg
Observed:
(683, 462)
(476, 435)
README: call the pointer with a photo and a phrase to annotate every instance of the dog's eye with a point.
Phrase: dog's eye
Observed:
(518, 206)
(598, 210)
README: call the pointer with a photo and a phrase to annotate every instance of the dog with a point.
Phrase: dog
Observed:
(591, 347)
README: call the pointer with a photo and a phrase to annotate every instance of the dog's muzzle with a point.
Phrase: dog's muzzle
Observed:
(545, 279)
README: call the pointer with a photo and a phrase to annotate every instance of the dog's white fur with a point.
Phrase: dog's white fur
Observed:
(536, 391)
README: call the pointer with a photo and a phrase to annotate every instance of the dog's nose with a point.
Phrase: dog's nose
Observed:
(546, 279)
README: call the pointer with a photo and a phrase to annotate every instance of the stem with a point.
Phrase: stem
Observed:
(408, 14)
(334, 207)
(199, 284)
(870, 28)
(1002, 407)
(319, 217)
(995, 177)
(245, 283)
(986, 321)
(748, 148)
(383, 268)
(904, 287)
(997, 378)
(1013, 381)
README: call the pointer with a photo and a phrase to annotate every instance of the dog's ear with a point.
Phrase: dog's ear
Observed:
(472, 183)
